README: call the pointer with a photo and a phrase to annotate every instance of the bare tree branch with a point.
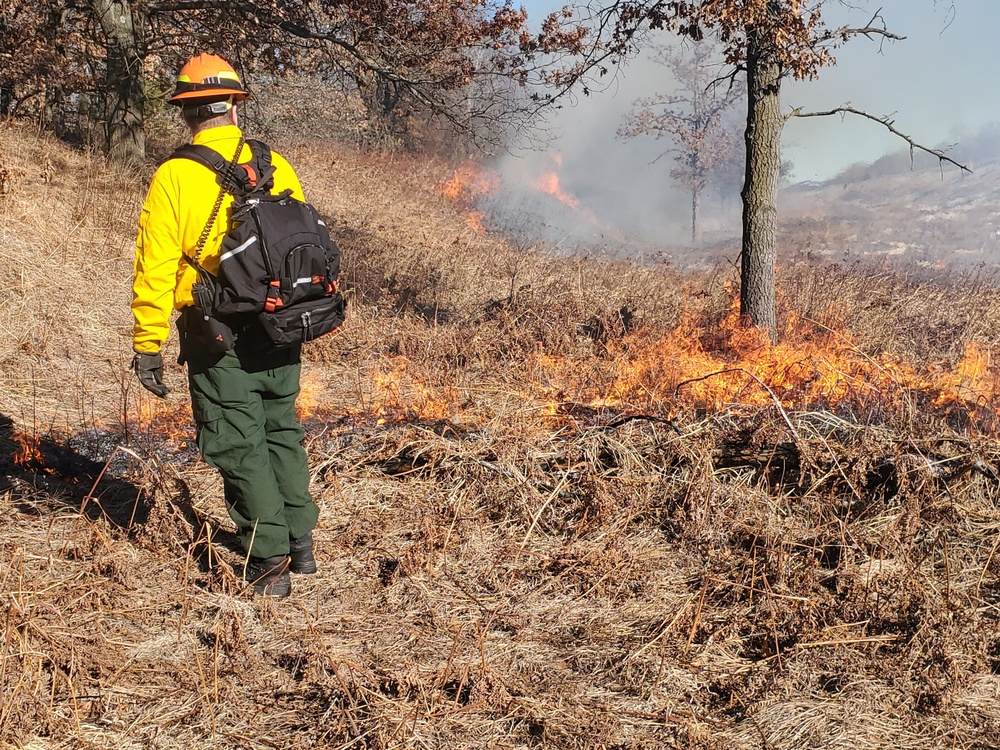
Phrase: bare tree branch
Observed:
(890, 126)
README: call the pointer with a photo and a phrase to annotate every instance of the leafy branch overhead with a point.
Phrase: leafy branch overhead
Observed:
(454, 59)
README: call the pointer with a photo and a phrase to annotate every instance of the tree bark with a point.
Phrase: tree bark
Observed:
(695, 226)
(123, 28)
(760, 185)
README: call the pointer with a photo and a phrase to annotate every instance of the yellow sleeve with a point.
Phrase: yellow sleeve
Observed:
(157, 255)
(285, 177)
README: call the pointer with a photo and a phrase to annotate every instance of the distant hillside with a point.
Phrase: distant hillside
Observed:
(914, 213)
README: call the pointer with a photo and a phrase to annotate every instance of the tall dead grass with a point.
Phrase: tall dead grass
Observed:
(504, 563)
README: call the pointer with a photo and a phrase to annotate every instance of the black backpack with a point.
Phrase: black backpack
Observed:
(277, 263)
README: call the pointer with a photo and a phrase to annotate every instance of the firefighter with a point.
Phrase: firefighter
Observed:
(243, 399)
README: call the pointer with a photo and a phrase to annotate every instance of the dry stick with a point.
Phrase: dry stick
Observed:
(8, 632)
(666, 629)
(890, 126)
(982, 575)
(208, 699)
(100, 476)
(947, 572)
(451, 659)
(538, 513)
(760, 591)
(697, 617)
(447, 538)
(762, 384)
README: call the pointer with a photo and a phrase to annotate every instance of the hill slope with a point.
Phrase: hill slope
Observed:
(566, 502)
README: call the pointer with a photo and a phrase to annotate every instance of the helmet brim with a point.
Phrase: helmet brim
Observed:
(185, 97)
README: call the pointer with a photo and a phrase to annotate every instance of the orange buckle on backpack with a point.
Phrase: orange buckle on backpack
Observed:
(273, 300)
(251, 174)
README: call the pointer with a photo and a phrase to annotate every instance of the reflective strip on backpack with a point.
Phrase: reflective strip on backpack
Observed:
(237, 250)
(306, 280)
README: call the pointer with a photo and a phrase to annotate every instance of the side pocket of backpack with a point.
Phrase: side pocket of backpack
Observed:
(304, 322)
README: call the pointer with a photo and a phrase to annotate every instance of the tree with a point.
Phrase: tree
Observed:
(693, 118)
(418, 53)
(767, 41)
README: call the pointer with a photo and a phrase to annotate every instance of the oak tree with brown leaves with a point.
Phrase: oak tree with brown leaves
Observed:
(444, 56)
(765, 42)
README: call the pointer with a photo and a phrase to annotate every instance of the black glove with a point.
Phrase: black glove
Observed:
(149, 369)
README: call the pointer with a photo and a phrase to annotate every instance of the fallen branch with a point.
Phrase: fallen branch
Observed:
(762, 384)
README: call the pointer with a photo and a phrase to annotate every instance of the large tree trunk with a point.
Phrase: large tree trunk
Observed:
(123, 28)
(760, 186)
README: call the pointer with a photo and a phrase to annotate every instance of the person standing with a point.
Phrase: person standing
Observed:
(243, 399)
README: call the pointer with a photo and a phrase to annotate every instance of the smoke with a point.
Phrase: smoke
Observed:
(625, 199)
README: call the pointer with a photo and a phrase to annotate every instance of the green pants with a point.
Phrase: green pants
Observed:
(244, 408)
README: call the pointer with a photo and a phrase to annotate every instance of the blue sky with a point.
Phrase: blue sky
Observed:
(939, 83)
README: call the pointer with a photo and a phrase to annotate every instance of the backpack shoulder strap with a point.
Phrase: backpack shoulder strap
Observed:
(219, 164)
(203, 155)
(260, 170)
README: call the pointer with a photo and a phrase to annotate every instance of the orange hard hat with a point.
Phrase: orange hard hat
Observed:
(207, 77)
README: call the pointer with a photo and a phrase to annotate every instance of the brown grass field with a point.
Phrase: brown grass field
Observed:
(566, 501)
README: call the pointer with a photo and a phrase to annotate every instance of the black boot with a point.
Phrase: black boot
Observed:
(301, 554)
(269, 575)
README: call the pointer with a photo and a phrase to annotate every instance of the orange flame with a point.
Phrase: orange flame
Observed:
(310, 390)
(475, 221)
(401, 393)
(28, 454)
(468, 183)
(548, 183)
(812, 367)
(466, 186)
(974, 380)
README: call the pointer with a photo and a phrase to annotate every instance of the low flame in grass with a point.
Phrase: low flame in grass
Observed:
(813, 367)
(170, 418)
(310, 391)
(548, 182)
(974, 381)
(468, 184)
(27, 454)
(475, 221)
(400, 393)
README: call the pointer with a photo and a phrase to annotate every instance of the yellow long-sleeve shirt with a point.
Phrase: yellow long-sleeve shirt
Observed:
(177, 208)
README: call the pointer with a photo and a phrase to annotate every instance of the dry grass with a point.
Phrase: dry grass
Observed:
(523, 543)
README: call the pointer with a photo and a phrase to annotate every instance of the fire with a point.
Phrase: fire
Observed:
(475, 221)
(28, 455)
(400, 392)
(310, 390)
(814, 367)
(171, 418)
(548, 183)
(468, 184)
(974, 380)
